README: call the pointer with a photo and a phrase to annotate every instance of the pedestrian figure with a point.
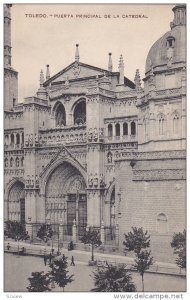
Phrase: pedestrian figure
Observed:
(8, 246)
(50, 258)
(72, 261)
(45, 259)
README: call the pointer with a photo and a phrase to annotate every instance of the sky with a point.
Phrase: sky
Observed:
(50, 39)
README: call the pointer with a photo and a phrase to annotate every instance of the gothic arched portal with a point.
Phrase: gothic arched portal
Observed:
(16, 202)
(66, 200)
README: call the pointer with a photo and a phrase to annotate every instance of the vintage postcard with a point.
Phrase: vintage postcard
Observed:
(95, 148)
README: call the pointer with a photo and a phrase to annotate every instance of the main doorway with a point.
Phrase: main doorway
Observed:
(66, 200)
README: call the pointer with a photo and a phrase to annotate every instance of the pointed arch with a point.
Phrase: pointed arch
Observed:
(110, 130)
(79, 112)
(60, 114)
(16, 201)
(125, 128)
(133, 128)
(175, 122)
(161, 124)
(117, 129)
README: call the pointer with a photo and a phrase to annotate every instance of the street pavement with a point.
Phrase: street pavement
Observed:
(83, 257)
(18, 269)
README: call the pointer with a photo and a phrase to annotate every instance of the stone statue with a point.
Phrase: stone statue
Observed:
(95, 179)
(95, 134)
(109, 157)
(90, 135)
(90, 180)
(101, 180)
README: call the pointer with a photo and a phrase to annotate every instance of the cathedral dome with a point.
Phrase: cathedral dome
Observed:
(174, 39)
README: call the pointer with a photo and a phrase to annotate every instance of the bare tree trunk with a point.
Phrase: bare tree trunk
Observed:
(92, 253)
(142, 282)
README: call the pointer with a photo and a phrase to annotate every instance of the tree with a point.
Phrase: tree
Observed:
(16, 231)
(138, 241)
(45, 232)
(39, 282)
(179, 245)
(59, 272)
(91, 237)
(111, 278)
(143, 261)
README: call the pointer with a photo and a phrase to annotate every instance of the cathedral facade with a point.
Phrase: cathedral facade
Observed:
(93, 148)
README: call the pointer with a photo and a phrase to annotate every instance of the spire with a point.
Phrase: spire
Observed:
(179, 15)
(41, 78)
(42, 93)
(121, 70)
(137, 81)
(7, 35)
(47, 72)
(77, 53)
(110, 63)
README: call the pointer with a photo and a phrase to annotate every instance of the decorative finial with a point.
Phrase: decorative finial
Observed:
(110, 63)
(137, 80)
(77, 53)
(42, 93)
(121, 70)
(41, 78)
(47, 72)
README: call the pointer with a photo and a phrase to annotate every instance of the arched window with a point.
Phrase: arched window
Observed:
(11, 162)
(17, 162)
(161, 124)
(6, 162)
(6, 140)
(22, 162)
(125, 129)
(22, 137)
(110, 130)
(117, 129)
(80, 113)
(170, 41)
(176, 124)
(60, 115)
(133, 128)
(12, 139)
(162, 223)
(17, 138)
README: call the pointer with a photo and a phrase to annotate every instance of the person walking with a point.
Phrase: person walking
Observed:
(8, 246)
(45, 259)
(50, 258)
(72, 261)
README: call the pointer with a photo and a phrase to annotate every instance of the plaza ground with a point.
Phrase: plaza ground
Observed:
(18, 268)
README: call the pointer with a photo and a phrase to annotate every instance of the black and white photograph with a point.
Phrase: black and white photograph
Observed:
(95, 148)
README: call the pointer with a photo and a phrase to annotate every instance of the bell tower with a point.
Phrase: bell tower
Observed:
(10, 75)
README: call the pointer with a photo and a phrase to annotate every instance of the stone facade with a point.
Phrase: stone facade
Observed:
(92, 148)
